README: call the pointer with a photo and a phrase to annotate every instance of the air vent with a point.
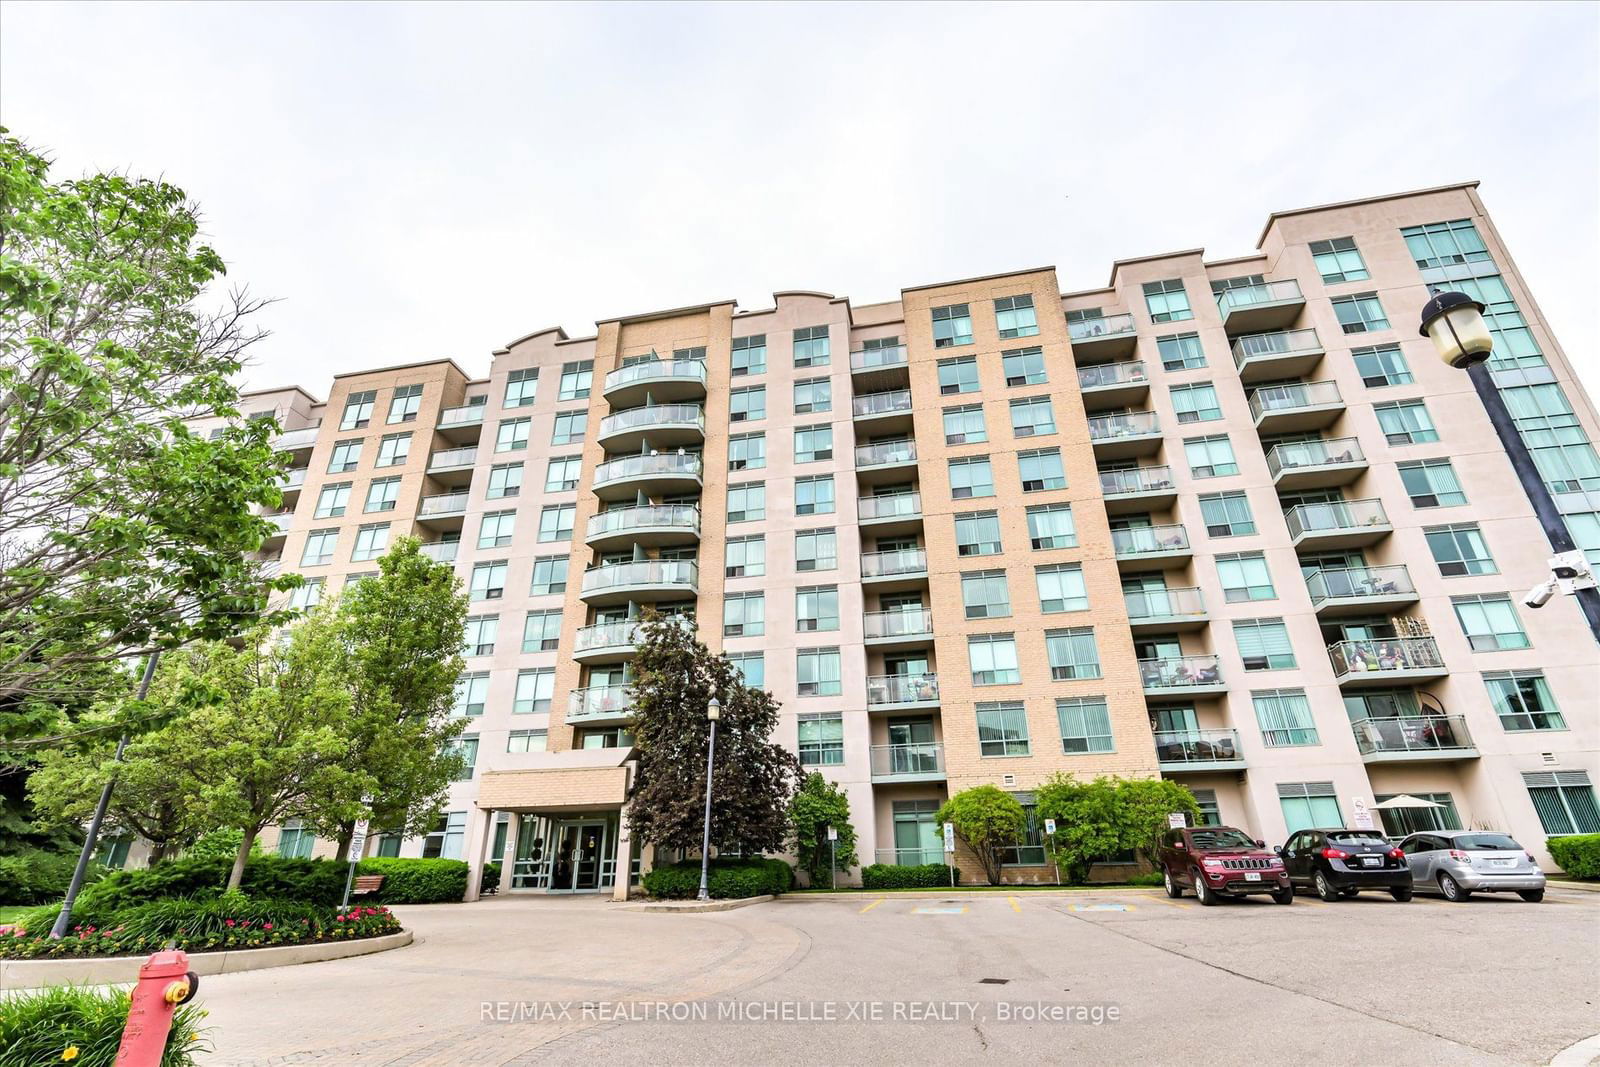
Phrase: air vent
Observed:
(1008, 779)
(1549, 758)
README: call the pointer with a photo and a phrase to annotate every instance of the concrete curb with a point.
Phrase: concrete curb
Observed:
(695, 905)
(33, 974)
(999, 893)
(1582, 887)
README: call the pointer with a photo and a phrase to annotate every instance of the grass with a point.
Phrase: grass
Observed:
(10, 913)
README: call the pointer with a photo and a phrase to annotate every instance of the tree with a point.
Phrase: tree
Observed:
(817, 805)
(1100, 818)
(675, 678)
(988, 819)
(121, 530)
(1146, 803)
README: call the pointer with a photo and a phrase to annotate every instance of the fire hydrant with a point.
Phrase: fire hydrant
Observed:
(165, 981)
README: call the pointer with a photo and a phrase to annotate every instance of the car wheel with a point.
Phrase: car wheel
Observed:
(1532, 896)
(1174, 890)
(1324, 888)
(1284, 895)
(1202, 892)
(1402, 895)
(1452, 889)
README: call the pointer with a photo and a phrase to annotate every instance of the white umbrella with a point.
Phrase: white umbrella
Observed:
(1404, 800)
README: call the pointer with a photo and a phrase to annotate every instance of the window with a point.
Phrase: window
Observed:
(1443, 244)
(1061, 588)
(481, 631)
(1339, 260)
(811, 346)
(1264, 644)
(319, 548)
(1041, 469)
(747, 451)
(1210, 457)
(814, 496)
(749, 355)
(1431, 483)
(813, 396)
(978, 533)
(358, 410)
(1523, 701)
(1032, 417)
(1196, 403)
(1285, 719)
(816, 550)
(604, 737)
(1245, 576)
(383, 494)
(952, 325)
(1561, 450)
(405, 403)
(307, 595)
(562, 473)
(993, 658)
(1490, 622)
(1585, 528)
(526, 741)
(541, 631)
(371, 540)
(746, 557)
(1181, 351)
(1381, 365)
(752, 668)
(394, 449)
(1167, 301)
(1227, 514)
(821, 739)
(817, 672)
(744, 615)
(295, 841)
(695, 354)
(958, 375)
(1206, 801)
(549, 575)
(555, 522)
(570, 426)
(536, 688)
(1308, 804)
(1402, 822)
(505, 480)
(512, 435)
(1014, 317)
(467, 748)
(522, 388)
(488, 581)
(472, 690)
(1085, 725)
(332, 501)
(447, 841)
(984, 595)
(1564, 800)
(346, 455)
(1405, 422)
(747, 404)
(971, 477)
(1024, 366)
(1360, 313)
(1072, 653)
(1051, 526)
(747, 502)
(816, 608)
(1514, 345)
(1459, 549)
(494, 530)
(1002, 728)
(575, 380)
(964, 425)
(813, 443)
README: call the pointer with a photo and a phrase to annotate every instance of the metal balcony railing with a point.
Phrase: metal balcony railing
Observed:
(1135, 480)
(441, 551)
(902, 622)
(598, 700)
(678, 572)
(1104, 374)
(653, 370)
(1197, 746)
(886, 452)
(1163, 603)
(921, 758)
(442, 504)
(1180, 672)
(1374, 582)
(892, 402)
(1277, 343)
(1335, 516)
(645, 516)
(653, 415)
(683, 464)
(1422, 734)
(465, 415)
(899, 561)
(1293, 455)
(1094, 329)
(1148, 540)
(890, 506)
(1265, 293)
(1293, 397)
(902, 689)
(1384, 654)
(450, 458)
(873, 358)
(1134, 424)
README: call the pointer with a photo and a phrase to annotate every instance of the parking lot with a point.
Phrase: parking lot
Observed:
(953, 977)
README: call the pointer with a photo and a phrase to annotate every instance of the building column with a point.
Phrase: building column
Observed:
(480, 831)
(623, 863)
(508, 862)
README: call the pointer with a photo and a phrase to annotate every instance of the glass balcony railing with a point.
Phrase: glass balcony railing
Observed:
(1135, 480)
(1197, 746)
(465, 415)
(598, 700)
(1295, 396)
(886, 452)
(888, 564)
(902, 689)
(1135, 424)
(1385, 654)
(1278, 343)
(1150, 540)
(896, 401)
(673, 572)
(653, 415)
(645, 516)
(452, 458)
(1294, 455)
(271, 568)
(902, 622)
(1104, 374)
(1180, 672)
(1180, 602)
(1420, 734)
(291, 440)
(921, 758)
(1095, 329)
(1335, 516)
(909, 857)
(654, 370)
(606, 635)
(667, 464)
(292, 479)
(442, 504)
(1265, 293)
(874, 358)
(280, 521)
(890, 506)
(1359, 582)
(441, 551)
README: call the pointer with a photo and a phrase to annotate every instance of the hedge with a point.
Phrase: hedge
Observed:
(35, 875)
(726, 880)
(1578, 854)
(920, 876)
(416, 881)
(405, 881)
(83, 1027)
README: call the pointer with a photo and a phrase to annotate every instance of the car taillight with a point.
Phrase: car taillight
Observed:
(1335, 854)
(1457, 854)
(1396, 854)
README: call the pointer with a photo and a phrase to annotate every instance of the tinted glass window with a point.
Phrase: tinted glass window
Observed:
(1487, 843)
(1357, 839)
(1220, 839)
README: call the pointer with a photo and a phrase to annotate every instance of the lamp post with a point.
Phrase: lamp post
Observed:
(1454, 323)
(713, 712)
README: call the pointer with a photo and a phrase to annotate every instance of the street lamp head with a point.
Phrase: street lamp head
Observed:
(714, 709)
(1454, 323)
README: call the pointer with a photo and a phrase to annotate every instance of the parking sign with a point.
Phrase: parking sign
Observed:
(949, 837)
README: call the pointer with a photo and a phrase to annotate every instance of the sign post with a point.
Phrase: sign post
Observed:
(950, 847)
(1050, 834)
(833, 857)
(358, 843)
(1362, 814)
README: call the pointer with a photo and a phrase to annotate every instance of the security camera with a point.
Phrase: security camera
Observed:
(1540, 595)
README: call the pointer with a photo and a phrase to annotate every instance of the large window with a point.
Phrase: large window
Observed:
(536, 688)
(307, 595)
(993, 658)
(1167, 301)
(746, 557)
(1210, 457)
(1564, 800)
(505, 480)
(752, 668)
(1245, 576)
(1432, 483)
(811, 347)
(576, 378)
(383, 494)
(1085, 725)
(814, 495)
(821, 739)
(984, 595)
(1181, 351)
(1405, 422)
(1523, 701)
(813, 396)
(562, 473)
(481, 631)
(549, 575)
(748, 404)
(1339, 260)
(541, 631)
(1014, 317)
(332, 501)
(512, 435)
(1024, 366)
(1002, 728)
(472, 691)
(522, 388)
(1381, 365)
(747, 451)
(1360, 313)
(394, 449)
(747, 502)
(1072, 654)
(319, 548)
(816, 550)
(358, 410)
(1560, 448)
(448, 839)
(971, 477)
(1032, 417)
(1264, 644)
(1490, 622)
(813, 443)
(749, 355)
(964, 425)
(1051, 526)
(295, 841)
(1196, 403)
(978, 533)
(527, 741)
(1061, 588)
(1309, 804)
(958, 375)
(1459, 549)
(346, 456)
(570, 427)
(405, 403)
(952, 325)
(1443, 244)
(555, 522)
(744, 615)
(372, 540)
(496, 529)
(1040, 469)
(817, 672)
(1227, 514)
(816, 608)
(1284, 717)
(1400, 822)
(488, 581)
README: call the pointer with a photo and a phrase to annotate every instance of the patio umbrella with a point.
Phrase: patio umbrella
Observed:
(1404, 800)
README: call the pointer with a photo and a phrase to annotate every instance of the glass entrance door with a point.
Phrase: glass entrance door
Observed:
(579, 854)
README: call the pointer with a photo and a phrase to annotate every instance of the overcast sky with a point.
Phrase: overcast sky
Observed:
(423, 181)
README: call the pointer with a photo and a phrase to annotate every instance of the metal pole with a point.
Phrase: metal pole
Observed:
(64, 920)
(705, 841)
(349, 877)
(1544, 505)
(833, 864)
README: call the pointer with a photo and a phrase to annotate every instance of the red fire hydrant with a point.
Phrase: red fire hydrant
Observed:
(165, 981)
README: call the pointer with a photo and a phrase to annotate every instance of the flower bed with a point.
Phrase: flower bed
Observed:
(83, 1027)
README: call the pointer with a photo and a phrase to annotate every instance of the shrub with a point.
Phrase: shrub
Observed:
(491, 878)
(416, 881)
(182, 877)
(920, 876)
(989, 820)
(42, 1026)
(1145, 878)
(726, 880)
(34, 876)
(1578, 854)
(221, 844)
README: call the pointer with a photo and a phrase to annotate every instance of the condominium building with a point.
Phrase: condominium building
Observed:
(1226, 521)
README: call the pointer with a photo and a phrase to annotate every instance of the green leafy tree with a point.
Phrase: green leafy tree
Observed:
(675, 677)
(1146, 803)
(1105, 816)
(988, 819)
(817, 805)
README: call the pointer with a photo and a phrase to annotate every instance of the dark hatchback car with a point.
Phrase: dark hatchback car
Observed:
(1341, 863)
(1219, 862)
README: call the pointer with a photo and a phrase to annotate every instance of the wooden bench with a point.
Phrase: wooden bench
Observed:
(366, 883)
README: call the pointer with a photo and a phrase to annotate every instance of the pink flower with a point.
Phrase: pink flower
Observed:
(266, 926)
(229, 922)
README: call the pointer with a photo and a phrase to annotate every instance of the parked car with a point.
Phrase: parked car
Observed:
(1220, 861)
(1341, 863)
(1459, 863)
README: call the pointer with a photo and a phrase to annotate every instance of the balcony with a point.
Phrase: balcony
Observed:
(1337, 524)
(1316, 464)
(1151, 548)
(1113, 385)
(440, 551)
(599, 705)
(652, 525)
(645, 579)
(896, 692)
(902, 628)
(655, 425)
(1386, 661)
(1361, 590)
(1420, 739)
(1125, 436)
(656, 380)
(885, 412)
(1179, 677)
(904, 568)
(279, 522)
(908, 763)
(271, 568)
(298, 443)
(1138, 489)
(880, 368)
(1268, 306)
(657, 474)
(1165, 610)
(453, 466)
(446, 511)
(1109, 337)
(1296, 407)
(606, 642)
(291, 481)
(462, 425)
(1281, 354)
(885, 462)
(1197, 751)
(892, 513)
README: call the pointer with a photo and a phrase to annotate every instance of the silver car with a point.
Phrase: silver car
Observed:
(1459, 863)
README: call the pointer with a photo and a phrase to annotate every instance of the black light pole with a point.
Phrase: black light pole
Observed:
(713, 712)
(1454, 322)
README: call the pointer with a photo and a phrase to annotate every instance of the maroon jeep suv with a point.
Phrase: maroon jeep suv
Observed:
(1218, 862)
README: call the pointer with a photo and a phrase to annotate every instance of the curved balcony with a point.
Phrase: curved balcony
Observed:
(644, 524)
(656, 379)
(885, 412)
(1123, 436)
(1359, 590)
(1113, 385)
(1144, 548)
(645, 579)
(893, 692)
(1280, 354)
(1107, 337)
(600, 705)
(905, 568)
(886, 461)
(902, 628)
(659, 425)
(1316, 464)
(1296, 407)
(462, 425)
(1268, 306)
(1165, 610)
(1196, 751)
(606, 642)
(657, 474)
(1179, 677)
(1413, 739)
(1337, 524)
(892, 513)
(453, 466)
(1386, 661)
(1138, 489)
(916, 762)
(443, 511)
